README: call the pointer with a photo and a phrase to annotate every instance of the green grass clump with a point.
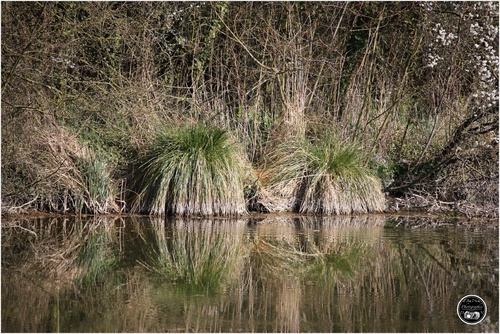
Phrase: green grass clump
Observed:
(96, 188)
(324, 176)
(195, 170)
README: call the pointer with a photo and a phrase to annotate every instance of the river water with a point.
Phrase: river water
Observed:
(261, 274)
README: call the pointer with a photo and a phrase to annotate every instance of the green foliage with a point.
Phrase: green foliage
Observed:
(96, 177)
(94, 186)
(326, 176)
(95, 259)
(201, 256)
(196, 170)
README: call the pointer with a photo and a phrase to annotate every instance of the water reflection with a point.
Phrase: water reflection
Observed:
(286, 274)
(203, 255)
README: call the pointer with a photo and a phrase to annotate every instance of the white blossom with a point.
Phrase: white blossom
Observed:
(480, 58)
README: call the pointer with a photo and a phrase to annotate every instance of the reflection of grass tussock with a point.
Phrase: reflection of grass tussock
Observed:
(274, 258)
(81, 252)
(324, 176)
(302, 247)
(96, 258)
(195, 170)
(202, 254)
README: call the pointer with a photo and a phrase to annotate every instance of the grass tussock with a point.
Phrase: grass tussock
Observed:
(195, 170)
(60, 173)
(325, 176)
(97, 189)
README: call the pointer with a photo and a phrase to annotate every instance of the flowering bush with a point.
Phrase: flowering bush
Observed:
(464, 36)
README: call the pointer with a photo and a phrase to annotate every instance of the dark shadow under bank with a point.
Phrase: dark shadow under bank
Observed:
(413, 203)
(409, 217)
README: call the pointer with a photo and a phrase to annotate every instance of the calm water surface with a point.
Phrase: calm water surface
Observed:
(275, 274)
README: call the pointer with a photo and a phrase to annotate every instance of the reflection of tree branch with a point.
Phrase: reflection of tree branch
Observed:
(402, 264)
(33, 281)
(423, 282)
(436, 260)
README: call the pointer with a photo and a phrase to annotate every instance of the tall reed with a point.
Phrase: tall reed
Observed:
(95, 188)
(195, 170)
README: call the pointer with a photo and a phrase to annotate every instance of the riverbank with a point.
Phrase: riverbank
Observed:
(433, 213)
(196, 111)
